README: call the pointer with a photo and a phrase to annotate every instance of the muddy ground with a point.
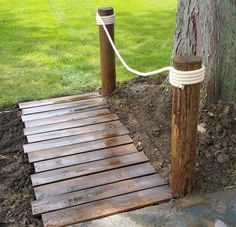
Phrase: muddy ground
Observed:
(145, 108)
(15, 186)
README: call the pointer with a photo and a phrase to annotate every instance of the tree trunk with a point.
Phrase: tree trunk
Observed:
(207, 28)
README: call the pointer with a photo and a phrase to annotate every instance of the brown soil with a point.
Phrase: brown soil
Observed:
(15, 186)
(145, 109)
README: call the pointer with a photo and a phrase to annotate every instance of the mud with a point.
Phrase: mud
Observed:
(15, 185)
(144, 106)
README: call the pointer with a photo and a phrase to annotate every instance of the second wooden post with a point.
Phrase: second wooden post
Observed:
(185, 107)
(107, 55)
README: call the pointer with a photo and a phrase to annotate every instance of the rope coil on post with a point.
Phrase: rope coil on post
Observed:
(176, 78)
(181, 78)
(105, 19)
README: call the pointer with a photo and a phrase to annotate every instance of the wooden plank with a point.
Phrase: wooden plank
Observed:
(73, 131)
(65, 105)
(70, 124)
(70, 98)
(87, 168)
(64, 118)
(93, 180)
(84, 157)
(93, 194)
(107, 207)
(78, 148)
(55, 113)
(70, 140)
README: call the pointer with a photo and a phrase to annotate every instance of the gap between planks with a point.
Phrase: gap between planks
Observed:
(68, 117)
(93, 180)
(63, 112)
(94, 194)
(71, 140)
(58, 100)
(96, 155)
(48, 108)
(87, 168)
(70, 124)
(106, 207)
(90, 146)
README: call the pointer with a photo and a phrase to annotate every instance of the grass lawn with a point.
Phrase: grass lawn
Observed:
(50, 47)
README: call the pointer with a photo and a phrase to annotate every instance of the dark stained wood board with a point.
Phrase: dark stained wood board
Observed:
(63, 112)
(105, 207)
(97, 193)
(87, 168)
(85, 160)
(46, 154)
(93, 180)
(84, 157)
(70, 124)
(68, 117)
(73, 131)
(58, 100)
(59, 106)
(70, 140)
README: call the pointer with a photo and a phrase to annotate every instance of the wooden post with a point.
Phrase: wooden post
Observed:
(107, 55)
(185, 107)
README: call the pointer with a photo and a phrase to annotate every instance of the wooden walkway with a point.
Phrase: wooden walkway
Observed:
(86, 164)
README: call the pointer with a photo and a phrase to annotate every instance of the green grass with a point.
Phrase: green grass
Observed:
(50, 47)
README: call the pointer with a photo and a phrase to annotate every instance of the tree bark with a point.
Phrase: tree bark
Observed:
(207, 29)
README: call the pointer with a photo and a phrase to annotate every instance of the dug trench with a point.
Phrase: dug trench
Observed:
(144, 107)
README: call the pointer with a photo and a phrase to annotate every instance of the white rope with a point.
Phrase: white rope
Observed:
(176, 78)
(179, 78)
(106, 19)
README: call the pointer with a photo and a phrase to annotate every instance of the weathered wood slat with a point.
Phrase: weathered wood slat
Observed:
(59, 106)
(70, 140)
(87, 168)
(93, 180)
(64, 118)
(70, 124)
(93, 194)
(71, 110)
(36, 156)
(58, 100)
(84, 157)
(73, 131)
(107, 207)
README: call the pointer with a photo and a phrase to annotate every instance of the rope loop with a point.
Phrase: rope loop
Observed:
(179, 78)
(105, 19)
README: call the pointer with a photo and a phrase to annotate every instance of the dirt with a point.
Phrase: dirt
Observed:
(15, 185)
(144, 107)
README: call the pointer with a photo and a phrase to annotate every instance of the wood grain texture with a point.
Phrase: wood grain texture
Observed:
(84, 157)
(65, 118)
(70, 124)
(107, 207)
(185, 107)
(64, 105)
(86, 163)
(62, 112)
(205, 28)
(93, 180)
(93, 194)
(71, 140)
(107, 55)
(36, 156)
(87, 168)
(63, 99)
(73, 131)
